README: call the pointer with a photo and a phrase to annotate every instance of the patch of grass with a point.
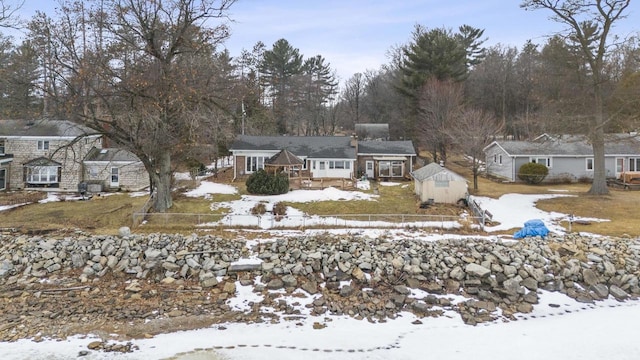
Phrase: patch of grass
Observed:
(619, 206)
(104, 215)
(391, 200)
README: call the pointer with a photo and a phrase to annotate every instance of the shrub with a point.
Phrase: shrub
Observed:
(262, 183)
(279, 209)
(532, 173)
(259, 209)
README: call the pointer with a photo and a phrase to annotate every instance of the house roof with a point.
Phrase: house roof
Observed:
(404, 148)
(320, 147)
(42, 128)
(372, 131)
(569, 145)
(284, 158)
(433, 169)
(41, 161)
(111, 154)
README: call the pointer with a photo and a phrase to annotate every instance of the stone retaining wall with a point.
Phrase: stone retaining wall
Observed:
(347, 268)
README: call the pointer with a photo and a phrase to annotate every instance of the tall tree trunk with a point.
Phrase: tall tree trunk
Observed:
(163, 200)
(599, 185)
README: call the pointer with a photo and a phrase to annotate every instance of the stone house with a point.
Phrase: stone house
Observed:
(43, 154)
(114, 169)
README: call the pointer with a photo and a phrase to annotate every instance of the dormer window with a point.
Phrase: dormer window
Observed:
(43, 144)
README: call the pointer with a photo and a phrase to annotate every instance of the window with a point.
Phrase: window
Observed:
(542, 160)
(115, 175)
(313, 164)
(321, 165)
(500, 159)
(255, 163)
(442, 183)
(497, 159)
(589, 164)
(42, 174)
(43, 144)
(339, 165)
(1, 147)
(3, 179)
(390, 168)
(634, 164)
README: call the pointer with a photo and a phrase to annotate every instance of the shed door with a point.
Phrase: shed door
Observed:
(115, 177)
(369, 169)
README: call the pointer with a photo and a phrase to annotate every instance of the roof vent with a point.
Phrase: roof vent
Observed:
(103, 151)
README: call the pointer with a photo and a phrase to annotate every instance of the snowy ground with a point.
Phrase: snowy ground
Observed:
(559, 327)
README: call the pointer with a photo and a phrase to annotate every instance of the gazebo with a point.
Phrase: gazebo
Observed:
(286, 161)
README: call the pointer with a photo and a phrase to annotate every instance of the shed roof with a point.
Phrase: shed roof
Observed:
(433, 169)
(320, 147)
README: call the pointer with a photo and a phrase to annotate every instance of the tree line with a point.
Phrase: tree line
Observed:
(154, 78)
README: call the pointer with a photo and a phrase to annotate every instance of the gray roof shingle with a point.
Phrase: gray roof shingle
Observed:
(42, 128)
(110, 154)
(319, 147)
(433, 169)
(404, 147)
(572, 145)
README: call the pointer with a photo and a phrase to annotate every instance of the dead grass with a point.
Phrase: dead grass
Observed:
(106, 215)
(620, 206)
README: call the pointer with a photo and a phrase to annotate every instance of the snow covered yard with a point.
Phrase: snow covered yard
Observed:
(603, 330)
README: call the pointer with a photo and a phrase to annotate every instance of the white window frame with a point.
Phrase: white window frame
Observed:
(588, 164)
(321, 165)
(42, 175)
(634, 164)
(254, 163)
(391, 165)
(2, 146)
(546, 161)
(43, 144)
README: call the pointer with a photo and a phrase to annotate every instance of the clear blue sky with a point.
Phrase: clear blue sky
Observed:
(355, 35)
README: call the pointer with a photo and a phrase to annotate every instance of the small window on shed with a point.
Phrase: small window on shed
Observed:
(442, 183)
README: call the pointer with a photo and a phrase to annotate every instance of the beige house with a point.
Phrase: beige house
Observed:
(43, 154)
(434, 183)
(110, 169)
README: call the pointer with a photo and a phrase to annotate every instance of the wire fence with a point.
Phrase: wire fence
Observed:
(271, 221)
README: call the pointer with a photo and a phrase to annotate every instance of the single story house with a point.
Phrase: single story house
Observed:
(386, 160)
(114, 169)
(43, 154)
(322, 156)
(434, 183)
(566, 156)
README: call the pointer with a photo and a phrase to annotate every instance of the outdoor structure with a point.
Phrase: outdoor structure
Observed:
(114, 169)
(44, 154)
(330, 157)
(370, 131)
(385, 160)
(434, 183)
(568, 157)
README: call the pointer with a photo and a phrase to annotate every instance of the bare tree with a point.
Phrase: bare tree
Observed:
(352, 95)
(471, 131)
(8, 8)
(590, 23)
(140, 75)
(439, 103)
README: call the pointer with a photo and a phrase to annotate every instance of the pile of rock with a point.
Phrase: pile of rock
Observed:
(356, 275)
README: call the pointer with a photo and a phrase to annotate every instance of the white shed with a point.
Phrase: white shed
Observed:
(443, 186)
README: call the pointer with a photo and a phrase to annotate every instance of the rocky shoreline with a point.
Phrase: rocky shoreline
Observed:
(140, 285)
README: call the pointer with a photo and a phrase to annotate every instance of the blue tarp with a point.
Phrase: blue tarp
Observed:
(532, 228)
